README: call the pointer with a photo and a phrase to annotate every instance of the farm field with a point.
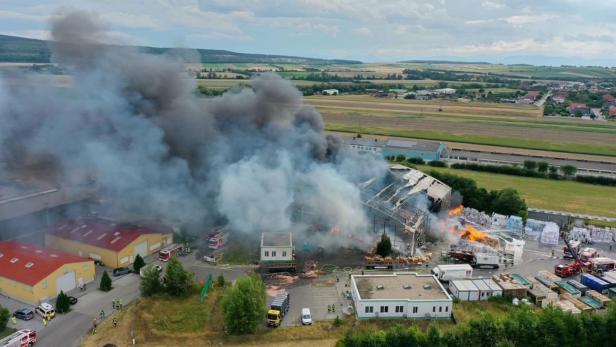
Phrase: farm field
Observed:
(546, 194)
(476, 123)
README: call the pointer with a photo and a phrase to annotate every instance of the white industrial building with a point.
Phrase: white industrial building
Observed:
(400, 295)
(474, 289)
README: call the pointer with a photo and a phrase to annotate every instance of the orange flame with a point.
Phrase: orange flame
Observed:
(472, 234)
(455, 211)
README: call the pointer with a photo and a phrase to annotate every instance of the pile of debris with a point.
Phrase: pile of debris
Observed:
(401, 260)
(311, 269)
(476, 217)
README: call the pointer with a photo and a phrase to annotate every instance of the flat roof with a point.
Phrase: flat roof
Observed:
(276, 240)
(31, 264)
(415, 145)
(403, 286)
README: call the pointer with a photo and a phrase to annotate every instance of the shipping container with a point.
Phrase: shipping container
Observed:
(595, 283)
(579, 286)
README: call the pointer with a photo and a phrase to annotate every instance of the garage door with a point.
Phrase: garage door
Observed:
(141, 249)
(66, 282)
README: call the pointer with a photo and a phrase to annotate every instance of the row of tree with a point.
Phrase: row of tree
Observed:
(176, 281)
(523, 327)
(505, 202)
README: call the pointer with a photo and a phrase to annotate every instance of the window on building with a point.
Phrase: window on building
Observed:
(415, 309)
(446, 308)
(440, 308)
(399, 309)
(273, 253)
(267, 253)
(384, 309)
(44, 284)
(369, 309)
(433, 308)
(284, 253)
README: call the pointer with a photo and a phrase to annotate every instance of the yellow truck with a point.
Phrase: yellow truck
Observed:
(278, 309)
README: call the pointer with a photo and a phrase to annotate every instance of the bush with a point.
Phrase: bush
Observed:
(568, 170)
(178, 281)
(400, 158)
(530, 165)
(138, 264)
(4, 318)
(243, 305)
(150, 282)
(105, 282)
(605, 181)
(437, 163)
(415, 160)
(63, 305)
(337, 321)
(220, 281)
(383, 248)
(500, 169)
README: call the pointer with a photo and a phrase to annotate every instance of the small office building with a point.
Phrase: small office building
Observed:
(474, 289)
(400, 295)
(277, 251)
(426, 150)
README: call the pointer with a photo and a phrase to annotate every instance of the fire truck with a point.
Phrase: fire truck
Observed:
(567, 270)
(571, 250)
(169, 251)
(21, 338)
(218, 237)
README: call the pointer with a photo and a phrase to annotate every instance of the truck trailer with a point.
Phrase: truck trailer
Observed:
(278, 309)
(485, 260)
(594, 283)
(448, 272)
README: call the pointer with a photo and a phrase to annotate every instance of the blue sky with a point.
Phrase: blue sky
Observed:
(550, 32)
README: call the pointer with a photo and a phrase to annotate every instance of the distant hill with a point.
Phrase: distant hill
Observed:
(16, 49)
(442, 62)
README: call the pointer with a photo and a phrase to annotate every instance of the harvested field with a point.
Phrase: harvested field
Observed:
(487, 124)
(448, 108)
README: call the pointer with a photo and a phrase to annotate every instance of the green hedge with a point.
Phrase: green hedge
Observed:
(523, 327)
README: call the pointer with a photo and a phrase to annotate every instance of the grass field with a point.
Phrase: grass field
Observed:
(504, 125)
(6, 332)
(547, 194)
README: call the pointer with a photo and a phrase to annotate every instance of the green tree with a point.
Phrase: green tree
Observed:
(4, 318)
(383, 248)
(138, 264)
(243, 305)
(553, 169)
(177, 280)
(542, 166)
(63, 305)
(509, 202)
(548, 110)
(105, 282)
(150, 282)
(400, 158)
(530, 164)
(568, 170)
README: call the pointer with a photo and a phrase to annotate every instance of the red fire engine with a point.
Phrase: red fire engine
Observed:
(21, 338)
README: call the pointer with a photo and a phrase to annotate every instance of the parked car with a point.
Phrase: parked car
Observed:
(72, 300)
(24, 313)
(306, 316)
(45, 310)
(121, 271)
(156, 267)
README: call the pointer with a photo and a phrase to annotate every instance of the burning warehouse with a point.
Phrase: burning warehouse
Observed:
(406, 198)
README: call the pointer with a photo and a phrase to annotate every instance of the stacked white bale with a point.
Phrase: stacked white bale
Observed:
(550, 234)
(567, 306)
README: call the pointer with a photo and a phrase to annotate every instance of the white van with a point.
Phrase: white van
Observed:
(45, 310)
(306, 316)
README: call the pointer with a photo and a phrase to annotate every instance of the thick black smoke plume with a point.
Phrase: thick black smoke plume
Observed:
(134, 122)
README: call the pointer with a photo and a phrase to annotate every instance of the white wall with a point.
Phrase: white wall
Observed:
(424, 308)
(279, 251)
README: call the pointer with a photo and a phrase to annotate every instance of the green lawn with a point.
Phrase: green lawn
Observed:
(501, 141)
(6, 332)
(547, 194)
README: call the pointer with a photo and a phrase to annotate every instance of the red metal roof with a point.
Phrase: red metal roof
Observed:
(104, 233)
(31, 264)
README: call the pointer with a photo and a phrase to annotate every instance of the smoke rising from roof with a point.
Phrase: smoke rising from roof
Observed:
(155, 148)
